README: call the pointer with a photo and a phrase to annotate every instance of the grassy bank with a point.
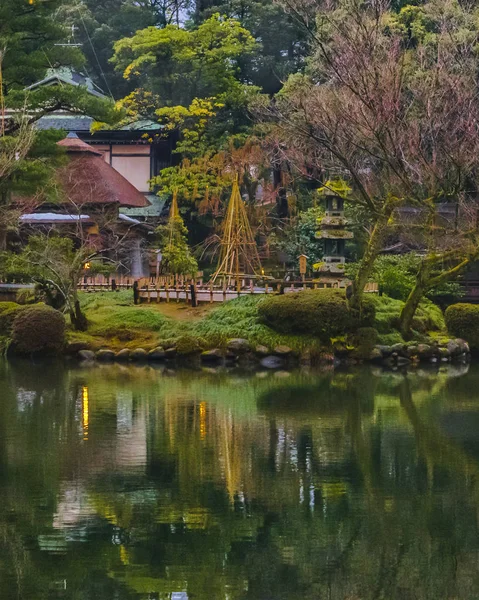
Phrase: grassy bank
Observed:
(114, 322)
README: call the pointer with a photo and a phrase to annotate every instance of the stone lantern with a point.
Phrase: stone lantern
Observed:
(333, 230)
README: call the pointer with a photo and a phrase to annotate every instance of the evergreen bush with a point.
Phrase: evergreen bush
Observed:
(323, 313)
(8, 312)
(462, 321)
(37, 329)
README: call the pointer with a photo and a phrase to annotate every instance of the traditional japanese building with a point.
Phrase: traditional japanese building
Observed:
(136, 150)
(92, 196)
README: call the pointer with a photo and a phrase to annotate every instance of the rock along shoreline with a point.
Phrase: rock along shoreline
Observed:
(239, 352)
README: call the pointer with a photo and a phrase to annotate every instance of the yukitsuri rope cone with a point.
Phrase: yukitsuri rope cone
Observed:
(239, 253)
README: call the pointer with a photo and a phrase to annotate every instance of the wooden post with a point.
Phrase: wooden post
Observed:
(194, 302)
(136, 293)
(211, 293)
(224, 289)
(167, 292)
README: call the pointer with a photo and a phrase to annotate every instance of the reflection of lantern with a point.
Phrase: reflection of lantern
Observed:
(85, 412)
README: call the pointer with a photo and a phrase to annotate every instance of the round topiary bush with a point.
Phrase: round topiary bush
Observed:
(8, 312)
(324, 313)
(462, 321)
(38, 329)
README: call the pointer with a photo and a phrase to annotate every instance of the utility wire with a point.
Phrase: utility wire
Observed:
(94, 51)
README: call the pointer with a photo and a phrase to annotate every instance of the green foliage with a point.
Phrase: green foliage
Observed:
(324, 313)
(364, 340)
(175, 250)
(180, 65)
(188, 344)
(462, 321)
(396, 277)
(299, 237)
(339, 187)
(281, 43)
(8, 313)
(28, 34)
(428, 316)
(38, 329)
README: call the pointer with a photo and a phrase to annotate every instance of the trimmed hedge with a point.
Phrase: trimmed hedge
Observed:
(8, 312)
(323, 313)
(462, 321)
(38, 329)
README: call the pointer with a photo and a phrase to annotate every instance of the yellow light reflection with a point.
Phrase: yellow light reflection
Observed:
(203, 420)
(85, 412)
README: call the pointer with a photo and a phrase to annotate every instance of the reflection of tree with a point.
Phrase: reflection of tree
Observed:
(340, 487)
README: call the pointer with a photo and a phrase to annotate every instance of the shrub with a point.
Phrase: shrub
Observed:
(462, 321)
(8, 312)
(187, 344)
(324, 313)
(364, 341)
(38, 329)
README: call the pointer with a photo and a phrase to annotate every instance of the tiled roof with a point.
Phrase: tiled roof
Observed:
(154, 209)
(66, 122)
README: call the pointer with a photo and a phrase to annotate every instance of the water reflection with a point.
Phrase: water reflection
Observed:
(121, 483)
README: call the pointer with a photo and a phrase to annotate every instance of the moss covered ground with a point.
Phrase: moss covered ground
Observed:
(116, 323)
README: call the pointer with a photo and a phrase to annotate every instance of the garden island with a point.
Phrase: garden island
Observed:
(239, 283)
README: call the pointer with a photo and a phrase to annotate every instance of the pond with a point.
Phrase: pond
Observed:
(138, 483)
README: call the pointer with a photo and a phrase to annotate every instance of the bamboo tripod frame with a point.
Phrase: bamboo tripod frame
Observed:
(239, 254)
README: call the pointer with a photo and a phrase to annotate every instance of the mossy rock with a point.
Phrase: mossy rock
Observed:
(187, 345)
(323, 313)
(462, 321)
(38, 329)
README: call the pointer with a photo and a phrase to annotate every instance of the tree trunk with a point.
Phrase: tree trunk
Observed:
(3, 238)
(282, 208)
(424, 283)
(373, 249)
(414, 299)
(78, 318)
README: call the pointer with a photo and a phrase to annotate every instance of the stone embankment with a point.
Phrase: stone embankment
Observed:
(239, 351)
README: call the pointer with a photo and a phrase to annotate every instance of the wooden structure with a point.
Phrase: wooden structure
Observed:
(239, 256)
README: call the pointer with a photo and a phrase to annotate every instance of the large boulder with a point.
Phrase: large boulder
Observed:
(238, 346)
(139, 355)
(156, 354)
(105, 355)
(38, 329)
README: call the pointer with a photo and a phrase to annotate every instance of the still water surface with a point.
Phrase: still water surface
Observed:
(124, 483)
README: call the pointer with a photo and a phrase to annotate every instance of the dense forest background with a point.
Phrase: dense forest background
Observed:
(374, 101)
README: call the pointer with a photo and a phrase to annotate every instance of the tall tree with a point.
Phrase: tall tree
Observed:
(282, 44)
(398, 119)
